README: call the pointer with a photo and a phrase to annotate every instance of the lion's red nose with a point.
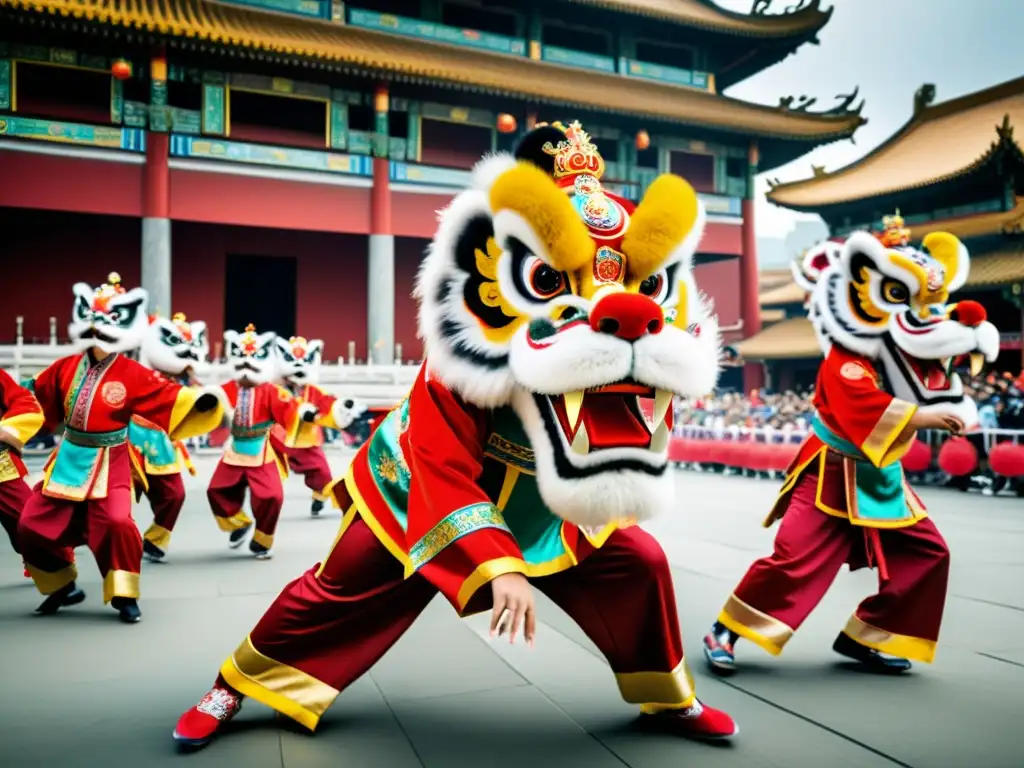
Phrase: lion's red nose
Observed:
(627, 316)
(969, 313)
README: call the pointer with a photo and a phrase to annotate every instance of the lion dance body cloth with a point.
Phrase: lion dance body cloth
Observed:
(549, 309)
(178, 350)
(85, 496)
(882, 315)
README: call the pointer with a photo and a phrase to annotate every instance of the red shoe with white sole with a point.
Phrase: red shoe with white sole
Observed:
(199, 725)
(698, 721)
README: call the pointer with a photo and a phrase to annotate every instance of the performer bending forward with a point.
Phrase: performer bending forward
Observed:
(174, 348)
(883, 320)
(85, 496)
(302, 442)
(255, 405)
(478, 485)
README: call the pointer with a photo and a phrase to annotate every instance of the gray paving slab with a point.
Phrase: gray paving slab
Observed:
(80, 689)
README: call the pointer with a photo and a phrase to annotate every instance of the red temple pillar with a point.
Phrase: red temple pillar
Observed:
(380, 297)
(156, 200)
(753, 373)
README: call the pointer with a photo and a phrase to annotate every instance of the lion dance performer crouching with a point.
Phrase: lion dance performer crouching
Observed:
(882, 315)
(85, 496)
(175, 349)
(299, 369)
(548, 307)
(254, 405)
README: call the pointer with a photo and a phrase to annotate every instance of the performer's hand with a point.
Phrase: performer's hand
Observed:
(934, 420)
(513, 607)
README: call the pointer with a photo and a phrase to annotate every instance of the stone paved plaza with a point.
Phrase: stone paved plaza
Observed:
(82, 690)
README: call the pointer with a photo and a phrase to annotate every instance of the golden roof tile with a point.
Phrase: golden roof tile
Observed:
(238, 26)
(706, 15)
(1000, 267)
(978, 224)
(790, 339)
(940, 142)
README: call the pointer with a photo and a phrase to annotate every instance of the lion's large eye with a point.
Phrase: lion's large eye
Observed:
(261, 353)
(656, 286)
(895, 292)
(544, 281)
(82, 309)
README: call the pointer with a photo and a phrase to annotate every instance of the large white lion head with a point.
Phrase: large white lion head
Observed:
(251, 356)
(298, 359)
(107, 318)
(889, 301)
(545, 293)
(176, 345)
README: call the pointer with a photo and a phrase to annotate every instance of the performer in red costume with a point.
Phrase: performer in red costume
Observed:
(302, 442)
(255, 405)
(479, 486)
(85, 496)
(20, 419)
(881, 312)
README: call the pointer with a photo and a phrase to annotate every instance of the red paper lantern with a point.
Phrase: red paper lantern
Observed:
(121, 69)
(958, 457)
(1007, 459)
(643, 140)
(506, 123)
(918, 458)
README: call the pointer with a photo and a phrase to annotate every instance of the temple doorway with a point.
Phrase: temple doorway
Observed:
(260, 290)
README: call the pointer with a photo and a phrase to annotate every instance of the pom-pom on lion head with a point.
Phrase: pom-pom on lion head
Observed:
(107, 318)
(544, 292)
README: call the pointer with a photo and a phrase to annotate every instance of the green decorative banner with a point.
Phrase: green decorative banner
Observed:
(450, 114)
(426, 30)
(663, 74)
(71, 133)
(5, 84)
(380, 134)
(339, 125)
(571, 58)
(136, 114)
(412, 144)
(185, 120)
(116, 101)
(213, 110)
(360, 142)
(428, 174)
(262, 154)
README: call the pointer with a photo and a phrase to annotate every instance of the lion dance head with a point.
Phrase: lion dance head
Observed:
(251, 356)
(174, 346)
(107, 318)
(298, 359)
(878, 296)
(544, 292)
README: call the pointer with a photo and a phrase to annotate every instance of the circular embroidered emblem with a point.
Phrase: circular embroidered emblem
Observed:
(853, 371)
(114, 393)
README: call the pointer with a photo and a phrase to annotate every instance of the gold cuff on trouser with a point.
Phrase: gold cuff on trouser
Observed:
(265, 540)
(234, 522)
(120, 584)
(158, 536)
(655, 691)
(286, 689)
(49, 582)
(757, 627)
(904, 646)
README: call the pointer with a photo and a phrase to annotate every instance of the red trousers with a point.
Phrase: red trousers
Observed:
(334, 622)
(166, 496)
(311, 463)
(780, 591)
(49, 530)
(14, 495)
(226, 493)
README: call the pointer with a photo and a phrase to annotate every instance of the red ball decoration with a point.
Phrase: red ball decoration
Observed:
(121, 69)
(643, 140)
(970, 313)
(918, 458)
(506, 123)
(958, 457)
(1007, 459)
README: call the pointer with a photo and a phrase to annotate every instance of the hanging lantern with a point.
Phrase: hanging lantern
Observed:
(918, 459)
(643, 140)
(121, 69)
(958, 457)
(506, 123)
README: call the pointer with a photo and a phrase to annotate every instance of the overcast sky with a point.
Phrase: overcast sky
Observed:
(889, 48)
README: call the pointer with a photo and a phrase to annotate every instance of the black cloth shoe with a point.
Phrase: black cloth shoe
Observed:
(62, 598)
(318, 505)
(127, 609)
(152, 551)
(261, 552)
(881, 663)
(237, 537)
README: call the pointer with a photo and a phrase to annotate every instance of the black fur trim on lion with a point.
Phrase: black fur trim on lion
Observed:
(531, 147)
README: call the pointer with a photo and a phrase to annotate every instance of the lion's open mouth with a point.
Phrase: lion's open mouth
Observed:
(621, 415)
(934, 375)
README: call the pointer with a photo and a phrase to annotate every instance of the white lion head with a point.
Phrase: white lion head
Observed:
(176, 345)
(892, 303)
(251, 356)
(298, 359)
(543, 292)
(107, 318)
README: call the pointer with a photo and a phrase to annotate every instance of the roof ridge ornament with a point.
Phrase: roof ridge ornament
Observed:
(842, 109)
(923, 97)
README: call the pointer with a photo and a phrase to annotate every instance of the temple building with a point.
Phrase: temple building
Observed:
(281, 162)
(956, 166)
